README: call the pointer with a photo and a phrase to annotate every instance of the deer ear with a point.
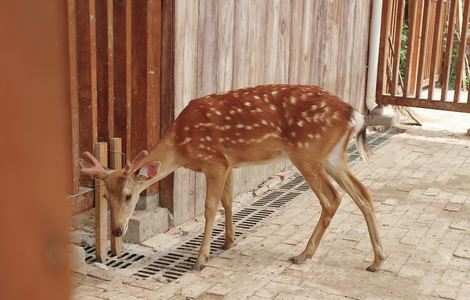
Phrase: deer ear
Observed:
(149, 171)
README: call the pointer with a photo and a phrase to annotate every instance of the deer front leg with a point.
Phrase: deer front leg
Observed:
(215, 180)
(227, 204)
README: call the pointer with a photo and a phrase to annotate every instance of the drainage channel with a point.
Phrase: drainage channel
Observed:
(176, 263)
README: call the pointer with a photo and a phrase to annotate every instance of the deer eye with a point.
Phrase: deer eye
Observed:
(128, 197)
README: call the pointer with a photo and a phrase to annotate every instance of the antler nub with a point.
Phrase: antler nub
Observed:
(95, 171)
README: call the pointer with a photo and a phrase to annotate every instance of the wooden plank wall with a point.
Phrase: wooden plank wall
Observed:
(114, 59)
(222, 45)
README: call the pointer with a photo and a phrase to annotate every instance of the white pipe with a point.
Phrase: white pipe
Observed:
(374, 41)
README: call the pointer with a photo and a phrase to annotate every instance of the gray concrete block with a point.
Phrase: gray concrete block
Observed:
(77, 255)
(146, 224)
(148, 202)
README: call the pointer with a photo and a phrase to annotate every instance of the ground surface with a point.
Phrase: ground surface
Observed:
(421, 184)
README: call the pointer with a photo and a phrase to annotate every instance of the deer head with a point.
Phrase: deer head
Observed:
(123, 186)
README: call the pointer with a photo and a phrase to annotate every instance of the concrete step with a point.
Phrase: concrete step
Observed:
(146, 224)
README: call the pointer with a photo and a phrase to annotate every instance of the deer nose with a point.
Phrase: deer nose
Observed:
(117, 232)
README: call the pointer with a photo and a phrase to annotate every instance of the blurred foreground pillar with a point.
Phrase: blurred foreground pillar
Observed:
(33, 150)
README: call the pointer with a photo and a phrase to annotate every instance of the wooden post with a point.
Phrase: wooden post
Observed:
(101, 206)
(115, 162)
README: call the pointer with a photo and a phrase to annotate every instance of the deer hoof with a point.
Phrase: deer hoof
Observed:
(295, 260)
(372, 268)
(198, 267)
(227, 246)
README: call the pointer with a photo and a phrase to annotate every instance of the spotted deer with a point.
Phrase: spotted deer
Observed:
(219, 132)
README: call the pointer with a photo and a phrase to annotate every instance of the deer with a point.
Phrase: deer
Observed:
(219, 132)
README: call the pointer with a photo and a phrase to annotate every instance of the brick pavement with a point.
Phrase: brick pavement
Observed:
(421, 184)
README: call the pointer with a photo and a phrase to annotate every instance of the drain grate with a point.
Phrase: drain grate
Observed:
(122, 261)
(171, 266)
(267, 199)
(218, 237)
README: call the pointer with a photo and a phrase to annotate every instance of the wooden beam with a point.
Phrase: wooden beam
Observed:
(431, 104)
(115, 163)
(383, 48)
(167, 104)
(448, 50)
(460, 71)
(102, 68)
(412, 30)
(101, 206)
(436, 42)
(73, 92)
(128, 64)
(422, 50)
(86, 61)
(110, 52)
(397, 45)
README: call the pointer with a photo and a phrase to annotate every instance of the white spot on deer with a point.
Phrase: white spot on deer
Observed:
(309, 94)
(279, 129)
(248, 127)
(300, 123)
(238, 133)
(208, 138)
(290, 121)
(241, 140)
(256, 125)
(264, 122)
(247, 104)
(317, 136)
(202, 146)
(228, 118)
(186, 128)
(210, 156)
(292, 100)
(304, 96)
(218, 113)
(336, 115)
(221, 140)
(200, 155)
(314, 107)
(274, 93)
(235, 95)
(322, 103)
(208, 115)
(327, 109)
(232, 112)
(202, 139)
(284, 105)
(310, 136)
(256, 97)
(293, 134)
(186, 140)
(272, 124)
(227, 127)
(239, 126)
(300, 145)
(304, 114)
(239, 110)
(272, 107)
(306, 144)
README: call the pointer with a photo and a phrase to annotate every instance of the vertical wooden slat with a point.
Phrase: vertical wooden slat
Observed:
(460, 71)
(110, 52)
(397, 45)
(383, 48)
(101, 20)
(413, 24)
(101, 206)
(73, 88)
(119, 70)
(154, 41)
(115, 163)
(128, 64)
(422, 51)
(86, 60)
(137, 78)
(448, 50)
(436, 42)
(167, 102)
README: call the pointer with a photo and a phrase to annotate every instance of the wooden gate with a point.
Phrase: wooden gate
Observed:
(423, 54)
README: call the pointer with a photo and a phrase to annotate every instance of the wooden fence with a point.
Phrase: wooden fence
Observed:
(115, 69)
(435, 53)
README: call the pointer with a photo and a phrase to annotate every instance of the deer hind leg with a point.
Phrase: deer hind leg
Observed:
(215, 181)
(227, 204)
(329, 198)
(338, 169)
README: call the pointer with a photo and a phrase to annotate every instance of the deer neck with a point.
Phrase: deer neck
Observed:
(165, 153)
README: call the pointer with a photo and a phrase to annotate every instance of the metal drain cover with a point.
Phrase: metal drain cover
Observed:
(122, 261)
